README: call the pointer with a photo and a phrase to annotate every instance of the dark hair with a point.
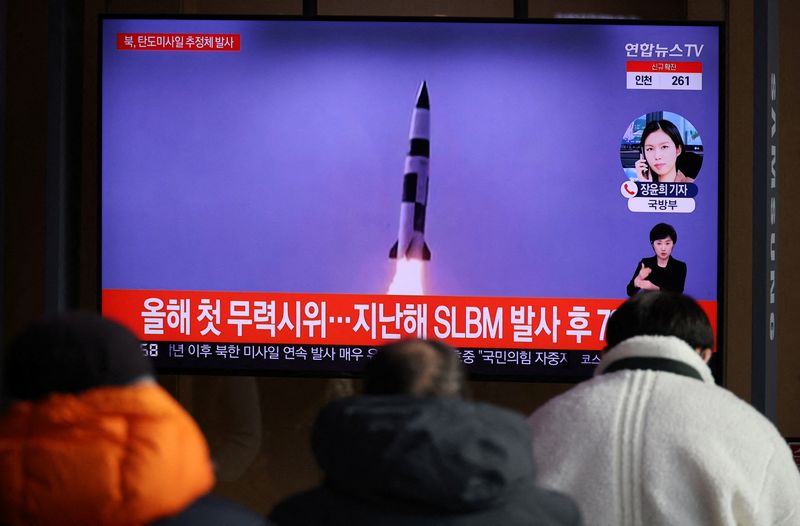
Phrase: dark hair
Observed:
(667, 127)
(662, 230)
(71, 353)
(415, 367)
(661, 314)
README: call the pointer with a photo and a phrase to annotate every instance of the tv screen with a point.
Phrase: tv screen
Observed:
(285, 195)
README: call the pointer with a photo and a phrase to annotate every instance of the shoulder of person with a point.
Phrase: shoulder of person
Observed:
(678, 263)
(212, 510)
(715, 416)
(587, 399)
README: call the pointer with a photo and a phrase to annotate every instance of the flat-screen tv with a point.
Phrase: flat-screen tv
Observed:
(284, 195)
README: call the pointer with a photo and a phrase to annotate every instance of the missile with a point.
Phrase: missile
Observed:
(410, 242)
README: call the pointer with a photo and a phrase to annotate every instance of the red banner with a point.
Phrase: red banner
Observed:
(361, 319)
(178, 42)
(646, 66)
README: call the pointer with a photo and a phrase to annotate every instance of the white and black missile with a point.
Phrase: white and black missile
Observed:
(410, 242)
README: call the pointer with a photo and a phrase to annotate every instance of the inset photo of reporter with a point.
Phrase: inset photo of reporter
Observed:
(661, 147)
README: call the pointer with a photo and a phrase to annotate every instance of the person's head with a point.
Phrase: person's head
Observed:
(663, 238)
(661, 145)
(415, 367)
(662, 314)
(72, 353)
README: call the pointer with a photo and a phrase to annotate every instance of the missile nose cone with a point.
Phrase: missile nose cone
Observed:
(422, 98)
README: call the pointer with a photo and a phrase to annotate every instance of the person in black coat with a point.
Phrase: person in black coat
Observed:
(412, 452)
(662, 271)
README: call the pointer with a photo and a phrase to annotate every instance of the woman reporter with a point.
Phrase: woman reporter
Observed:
(660, 148)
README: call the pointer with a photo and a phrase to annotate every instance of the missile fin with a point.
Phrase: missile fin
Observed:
(393, 251)
(426, 252)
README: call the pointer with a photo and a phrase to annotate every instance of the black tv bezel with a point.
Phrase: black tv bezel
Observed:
(718, 360)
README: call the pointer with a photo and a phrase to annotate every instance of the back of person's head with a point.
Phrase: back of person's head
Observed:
(414, 452)
(660, 314)
(71, 353)
(415, 367)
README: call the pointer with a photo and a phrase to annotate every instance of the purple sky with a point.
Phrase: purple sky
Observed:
(279, 168)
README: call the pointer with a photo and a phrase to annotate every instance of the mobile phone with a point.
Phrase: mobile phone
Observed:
(642, 157)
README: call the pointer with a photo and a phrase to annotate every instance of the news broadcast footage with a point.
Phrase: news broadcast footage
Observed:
(283, 196)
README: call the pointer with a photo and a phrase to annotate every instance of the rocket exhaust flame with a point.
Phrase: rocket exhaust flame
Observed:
(408, 278)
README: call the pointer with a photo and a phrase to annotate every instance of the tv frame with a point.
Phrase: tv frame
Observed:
(718, 360)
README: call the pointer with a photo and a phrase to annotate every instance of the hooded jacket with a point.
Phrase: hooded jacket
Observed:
(106, 456)
(652, 447)
(394, 460)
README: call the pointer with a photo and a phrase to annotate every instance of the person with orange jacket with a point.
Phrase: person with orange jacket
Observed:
(90, 438)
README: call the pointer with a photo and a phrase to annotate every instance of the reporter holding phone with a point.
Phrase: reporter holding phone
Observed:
(660, 148)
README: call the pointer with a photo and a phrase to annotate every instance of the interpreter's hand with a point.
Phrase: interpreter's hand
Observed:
(641, 282)
(642, 170)
(644, 272)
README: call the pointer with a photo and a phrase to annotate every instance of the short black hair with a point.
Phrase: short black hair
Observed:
(415, 367)
(667, 127)
(662, 230)
(658, 313)
(71, 353)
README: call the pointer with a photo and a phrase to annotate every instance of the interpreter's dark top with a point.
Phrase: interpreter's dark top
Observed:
(671, 278)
